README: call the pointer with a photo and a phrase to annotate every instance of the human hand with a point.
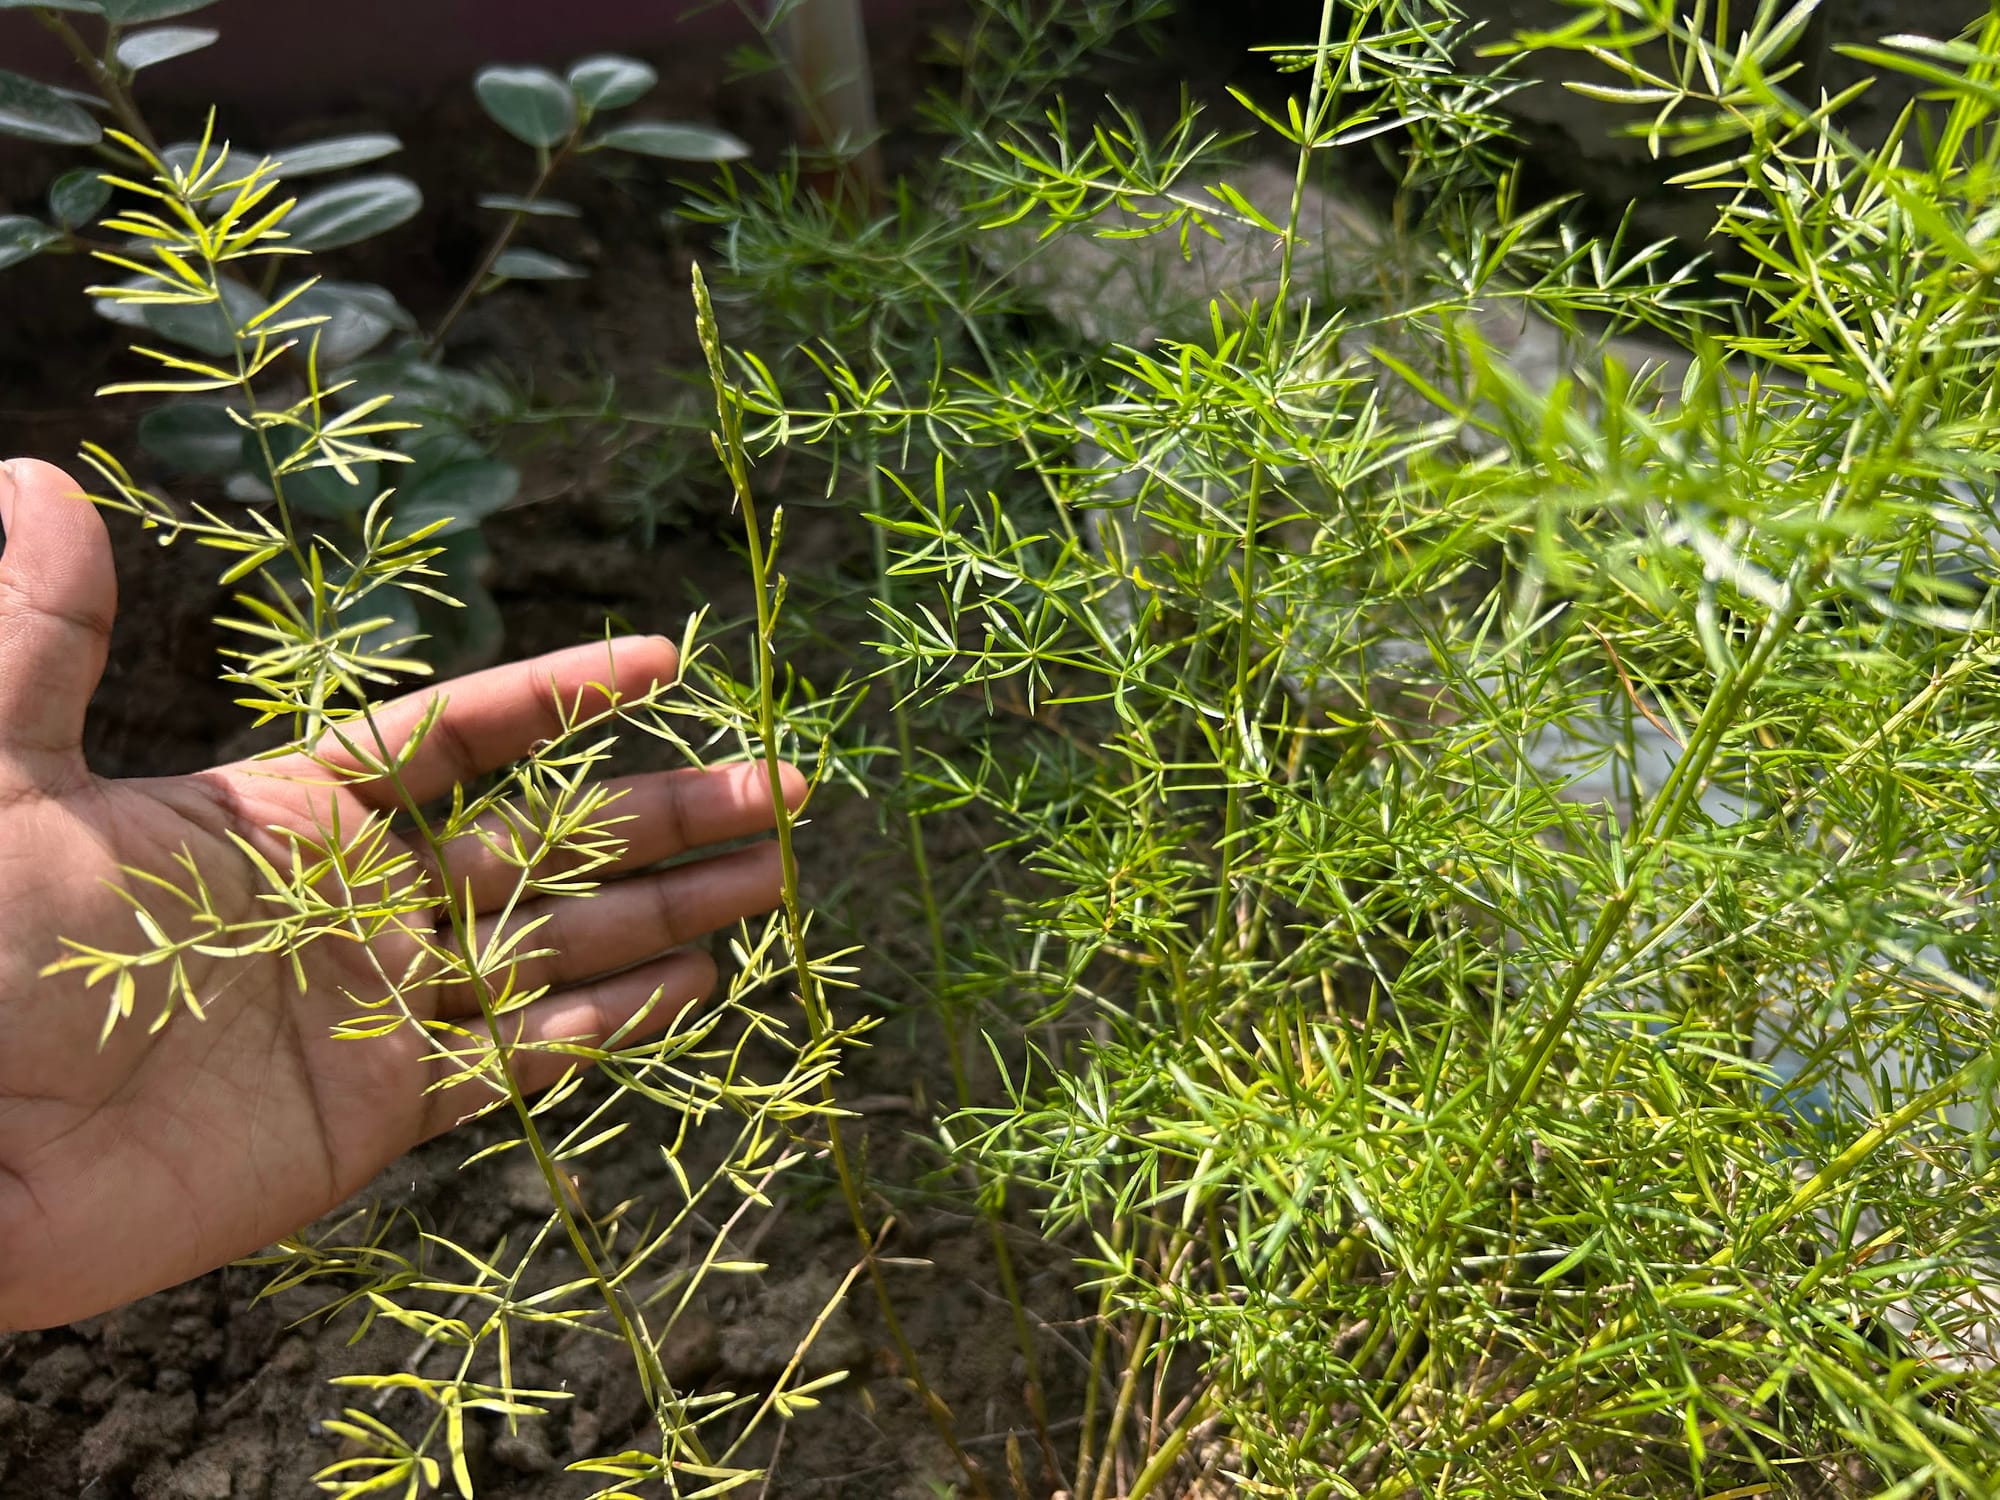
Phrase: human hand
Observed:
(163, 1153)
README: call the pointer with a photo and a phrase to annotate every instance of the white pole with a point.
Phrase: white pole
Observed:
(826, 46)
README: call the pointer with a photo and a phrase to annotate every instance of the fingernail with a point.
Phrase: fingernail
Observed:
(7, 484)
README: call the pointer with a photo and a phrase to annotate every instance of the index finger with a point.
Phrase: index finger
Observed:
(492, 718)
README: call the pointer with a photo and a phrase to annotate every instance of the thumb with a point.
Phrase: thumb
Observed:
(58, 593)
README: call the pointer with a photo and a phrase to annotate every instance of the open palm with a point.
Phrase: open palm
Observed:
(163, 1153)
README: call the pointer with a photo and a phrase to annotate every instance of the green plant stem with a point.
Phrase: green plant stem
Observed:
(104, 75)
(819, 1021)
(552, 163)
(1809, 1195)
(920, 867)
(1121, 1410)
(1646, 846)
(1250, 753)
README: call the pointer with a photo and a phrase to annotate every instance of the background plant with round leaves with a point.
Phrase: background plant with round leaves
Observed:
(363, 342)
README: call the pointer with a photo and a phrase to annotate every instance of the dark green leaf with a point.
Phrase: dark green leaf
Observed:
(545, 208)
(78, 196)
(358, 317)
(334, 154)
(464, 494)
(530, 104)
(463, 639)
(193, 437)
(36, 112)
(138, 12)
(206, 329)
(436, 447)
(523, 264)
(467, 491)
(428, 390)
(352, 211)
(317, 491)
(676, 142)
(142, 49)
(21, 237)
(609, 81)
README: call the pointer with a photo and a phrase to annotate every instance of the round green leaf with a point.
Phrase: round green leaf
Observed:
(677, 142)
(358, 317)
(426, 390)
(522, 264)
(542, 208)
(142, 49)
(36, 112)
(193, 437)
(435, 447)
(21, 237)
(138, 12)
(78, 196)
(350, 212)
(530, 104)
(334, 154)
(610, 81)
(463, 494)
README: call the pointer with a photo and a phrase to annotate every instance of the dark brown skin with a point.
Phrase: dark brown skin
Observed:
(160, 1155)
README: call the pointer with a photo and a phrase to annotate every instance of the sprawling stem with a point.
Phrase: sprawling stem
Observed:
(812, 999)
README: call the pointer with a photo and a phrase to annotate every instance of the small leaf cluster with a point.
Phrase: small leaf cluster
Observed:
(556, 115)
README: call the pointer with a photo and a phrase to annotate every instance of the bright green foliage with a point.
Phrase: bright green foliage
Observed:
(1497, 872)
(1479, 891)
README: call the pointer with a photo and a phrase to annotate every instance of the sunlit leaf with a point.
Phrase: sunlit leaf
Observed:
(359, 316)
(334, 154)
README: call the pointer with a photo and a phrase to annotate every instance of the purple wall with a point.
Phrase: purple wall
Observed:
(308, 53)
